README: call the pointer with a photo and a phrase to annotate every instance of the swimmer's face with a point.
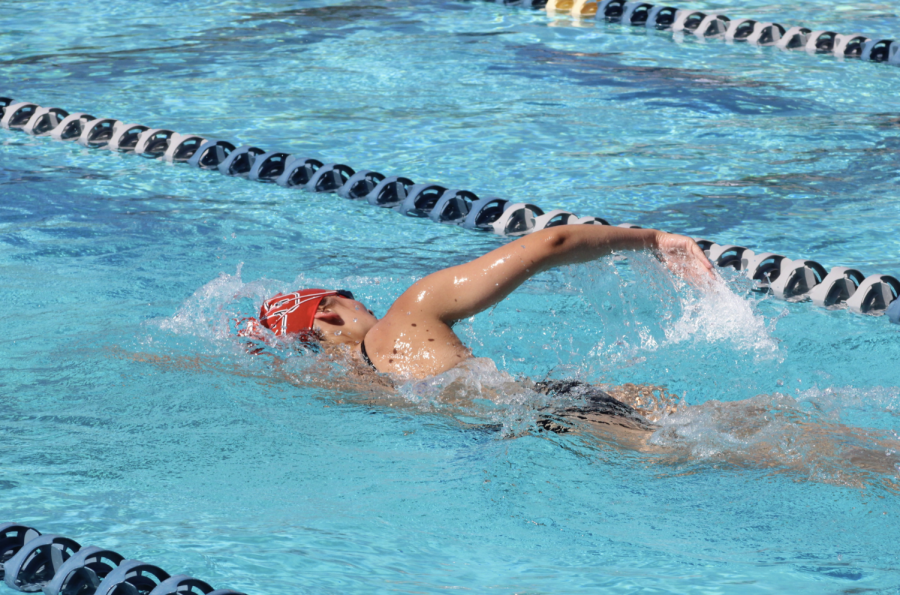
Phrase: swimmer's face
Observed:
(343, 320)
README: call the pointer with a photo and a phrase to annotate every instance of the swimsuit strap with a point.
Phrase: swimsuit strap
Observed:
(362, 350)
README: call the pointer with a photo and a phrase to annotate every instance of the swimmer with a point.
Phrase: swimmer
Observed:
(415, 339)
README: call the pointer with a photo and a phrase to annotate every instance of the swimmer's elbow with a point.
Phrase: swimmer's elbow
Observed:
(568, 244)
(557, 242)
(556, 239)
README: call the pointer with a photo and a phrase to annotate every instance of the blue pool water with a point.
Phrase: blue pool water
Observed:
(131, 419)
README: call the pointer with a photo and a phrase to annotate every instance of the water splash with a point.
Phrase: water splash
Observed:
(210, 312)
(717, 314)
(649, 326)
(477, 391)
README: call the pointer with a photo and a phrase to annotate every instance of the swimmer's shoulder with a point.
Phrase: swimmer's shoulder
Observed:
(413, 346)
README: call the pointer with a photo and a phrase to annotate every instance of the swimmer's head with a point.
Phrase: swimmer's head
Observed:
(329, 316)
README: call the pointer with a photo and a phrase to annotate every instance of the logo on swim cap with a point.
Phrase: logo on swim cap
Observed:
(292, 313)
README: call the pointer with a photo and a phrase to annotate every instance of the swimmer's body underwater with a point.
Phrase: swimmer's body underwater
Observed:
(415, 339)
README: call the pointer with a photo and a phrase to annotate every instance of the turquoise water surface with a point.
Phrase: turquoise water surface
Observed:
(132, 419)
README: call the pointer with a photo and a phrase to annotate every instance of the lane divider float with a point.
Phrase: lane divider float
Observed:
(58, 565)
(785, 279)
(714, 25)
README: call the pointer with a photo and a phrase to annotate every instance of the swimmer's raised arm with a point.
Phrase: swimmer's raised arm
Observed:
(415, 337)
(464, 290)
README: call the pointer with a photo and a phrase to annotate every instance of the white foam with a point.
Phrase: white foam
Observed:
(716, 314)
(211, 311)
(476, 388)
(644, 308)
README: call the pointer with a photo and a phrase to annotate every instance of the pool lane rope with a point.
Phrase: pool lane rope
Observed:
(713, 25)
(58, 565)
(786, 279)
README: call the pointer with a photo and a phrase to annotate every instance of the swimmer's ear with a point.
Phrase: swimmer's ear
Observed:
(330, 318)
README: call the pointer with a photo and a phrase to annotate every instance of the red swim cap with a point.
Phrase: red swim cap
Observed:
(294, 312)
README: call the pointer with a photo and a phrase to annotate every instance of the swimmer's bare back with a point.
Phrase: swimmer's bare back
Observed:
(415, 338)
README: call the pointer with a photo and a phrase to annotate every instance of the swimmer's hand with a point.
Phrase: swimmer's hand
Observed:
(684, 257)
